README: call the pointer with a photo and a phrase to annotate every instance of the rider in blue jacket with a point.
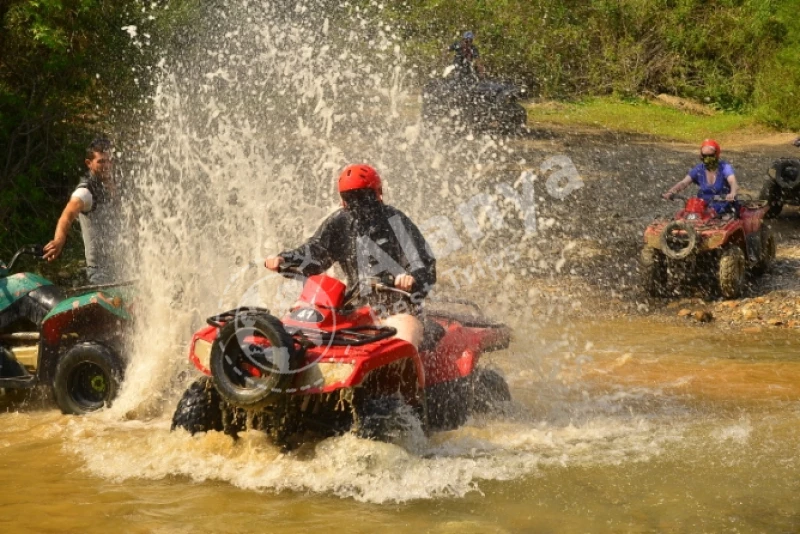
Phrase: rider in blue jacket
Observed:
(713, 178)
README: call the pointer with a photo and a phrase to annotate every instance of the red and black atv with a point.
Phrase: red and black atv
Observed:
(697, 242)
(327, 369)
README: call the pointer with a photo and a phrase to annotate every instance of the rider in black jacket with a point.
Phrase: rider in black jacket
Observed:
(370, 239)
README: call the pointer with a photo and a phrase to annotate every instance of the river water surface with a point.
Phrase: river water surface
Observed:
(623, 426)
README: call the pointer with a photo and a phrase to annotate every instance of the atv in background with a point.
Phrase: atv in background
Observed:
(698, 244)
(327, 368)
(782, 185)
(463, 99)
(71, 341)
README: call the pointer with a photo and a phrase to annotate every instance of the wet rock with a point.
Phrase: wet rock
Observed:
(774, 321)
(761, 300)
(730, 304)
(749, 314)
(685, 312)
(703, 316)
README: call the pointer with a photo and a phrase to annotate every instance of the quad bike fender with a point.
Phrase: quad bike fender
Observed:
(16, 286)
(332, 368)
(326, 369)
(93, 315)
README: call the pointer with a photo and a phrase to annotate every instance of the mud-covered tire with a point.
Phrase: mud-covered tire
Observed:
(199, 408)
(673, 244)
(771, 192)
(229, 364)
(768, 251)
(653, 267)
(384, 418)
(490, 391)
(731, 272)
(87, 378)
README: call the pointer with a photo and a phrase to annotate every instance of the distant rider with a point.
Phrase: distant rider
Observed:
(713, 177)
(369, 239)
(466, 58)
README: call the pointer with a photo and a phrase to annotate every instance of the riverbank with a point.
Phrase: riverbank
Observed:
(598, 229)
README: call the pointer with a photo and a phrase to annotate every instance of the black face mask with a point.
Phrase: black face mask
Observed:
(711, 162)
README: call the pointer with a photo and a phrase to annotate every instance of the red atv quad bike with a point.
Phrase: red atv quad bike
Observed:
(697, 243)
(327, 369)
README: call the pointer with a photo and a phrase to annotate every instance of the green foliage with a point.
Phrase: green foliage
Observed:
(711, 50)
(66, 67)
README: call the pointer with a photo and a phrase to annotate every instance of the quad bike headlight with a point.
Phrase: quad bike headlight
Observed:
(202, 349)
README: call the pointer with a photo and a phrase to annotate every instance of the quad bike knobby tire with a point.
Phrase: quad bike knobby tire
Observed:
(199, 408)
(771, 192)
(654, 272)
(490, 391)
(731, 272)
(249, 376)
(678, 240)
(87, 378)
(384, 418)
(768, 251)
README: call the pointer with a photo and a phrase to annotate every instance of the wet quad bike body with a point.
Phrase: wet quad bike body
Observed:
(480, 104)
(72, 344)
(782, 185)
(698, 244)
(326, 369)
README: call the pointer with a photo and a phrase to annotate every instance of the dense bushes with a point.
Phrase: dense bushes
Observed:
(736, 54)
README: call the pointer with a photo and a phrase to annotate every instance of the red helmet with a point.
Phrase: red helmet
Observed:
(360, 177)
(711, 143)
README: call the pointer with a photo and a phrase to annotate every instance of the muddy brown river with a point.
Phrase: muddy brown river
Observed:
(617, 426)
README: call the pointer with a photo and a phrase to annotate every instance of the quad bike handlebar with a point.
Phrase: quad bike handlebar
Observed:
(36, 251)
(383, 283)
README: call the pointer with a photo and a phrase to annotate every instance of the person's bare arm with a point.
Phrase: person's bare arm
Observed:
(734, 187)
(677, 188)
(53, 249)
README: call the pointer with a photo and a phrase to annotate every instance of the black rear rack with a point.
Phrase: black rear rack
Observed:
(311, 337)
(353, 337)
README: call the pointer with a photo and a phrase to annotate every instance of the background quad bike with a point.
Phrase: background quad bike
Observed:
(481, 104)
(69, 340)
(782, 185)
(725, 259)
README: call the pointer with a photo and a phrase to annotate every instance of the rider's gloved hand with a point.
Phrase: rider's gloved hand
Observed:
(273, 263)
(730, 197)
(668, 195)
(404, 282)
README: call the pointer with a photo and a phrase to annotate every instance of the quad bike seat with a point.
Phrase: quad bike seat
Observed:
(34, 306)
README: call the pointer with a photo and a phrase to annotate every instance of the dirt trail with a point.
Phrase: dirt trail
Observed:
(624, 175)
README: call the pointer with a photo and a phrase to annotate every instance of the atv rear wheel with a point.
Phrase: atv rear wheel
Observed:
(248, 374)
(731, 272)
(87, 378)
(771, 192)
(654, 272)
(490, 390)
(199, 408)
(384, 418)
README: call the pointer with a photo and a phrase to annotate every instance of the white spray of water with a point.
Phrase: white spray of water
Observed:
(249, 130)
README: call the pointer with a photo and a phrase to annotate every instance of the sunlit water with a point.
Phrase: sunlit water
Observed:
(619, 426)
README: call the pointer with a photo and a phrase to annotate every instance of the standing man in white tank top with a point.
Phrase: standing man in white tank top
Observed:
(96, 203)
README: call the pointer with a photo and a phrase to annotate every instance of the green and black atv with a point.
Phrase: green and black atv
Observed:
(69, 340)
